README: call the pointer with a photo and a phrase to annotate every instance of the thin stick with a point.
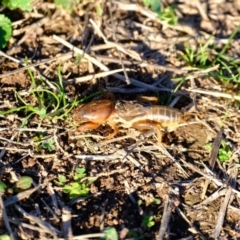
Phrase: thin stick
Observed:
(68, 55)
(93, 76)
(66, 219)
(5, 218)
(225, 203)
(188, 221)
(215, 94)
(167, 212)
(215, 148)
(213, 158)
(81, 52)
(141, 64)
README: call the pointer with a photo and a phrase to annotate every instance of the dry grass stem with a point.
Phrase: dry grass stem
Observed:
(79, 183)
(167, 212)
(5, 218)
(95, 76)
(215, 94)
(66, 219)
(225, 202)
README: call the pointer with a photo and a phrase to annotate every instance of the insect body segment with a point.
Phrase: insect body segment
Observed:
(158, 117)
(165, 116)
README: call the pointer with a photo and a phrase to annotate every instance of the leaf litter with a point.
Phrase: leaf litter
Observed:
(181, 186)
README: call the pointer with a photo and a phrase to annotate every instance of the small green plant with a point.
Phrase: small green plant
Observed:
(197, 58)
(207, 56)
(148, 222)
(167, 14)
(40, 142)
(49, 144)
(66, 4)
(5, 237)
(110, 234)
(156, 201)
(5, 22)
(2, 187)
(22, 184)
(99, 10)
(79, 183)
(49, 103)
(61, 180)
(24, 5)
(5, 30)
(224, 152)
(76, 189)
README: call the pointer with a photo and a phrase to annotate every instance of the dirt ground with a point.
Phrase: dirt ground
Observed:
(177, 189)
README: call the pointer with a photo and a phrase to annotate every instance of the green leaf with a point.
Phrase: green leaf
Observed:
(156, 201)
(147, 3)
(24, 182)
(110, 233)
(42, 113)
(5, 237)
(148, 221)
(90, 180)
(5, 30)
(208, 147)
(168, 15)
(24, 5)
(66, 4)
(76, 189)
(2, 186)
(80, 173)
(49, 144)
(156, 6)
(151, 224)
(67, 189)
(99, 10)
(61, 178)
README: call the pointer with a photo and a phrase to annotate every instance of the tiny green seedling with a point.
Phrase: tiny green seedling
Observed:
(110, 234)
(207, 56)
(5, 30)
(79, 186)
(5, 22)
(22, 184)
(166, 15)
(5, 237)
(156, 201)
(169, 16)
(2, 187)
(76, 190)
(148, 222)
(61, 180)
(66, 4)
(49, 144)
(40, 142)
(80, 173)
(45, 102)
(224, 152)
(14, 4)
(99, 10)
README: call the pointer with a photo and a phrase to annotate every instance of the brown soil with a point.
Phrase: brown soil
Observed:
(181, 183)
